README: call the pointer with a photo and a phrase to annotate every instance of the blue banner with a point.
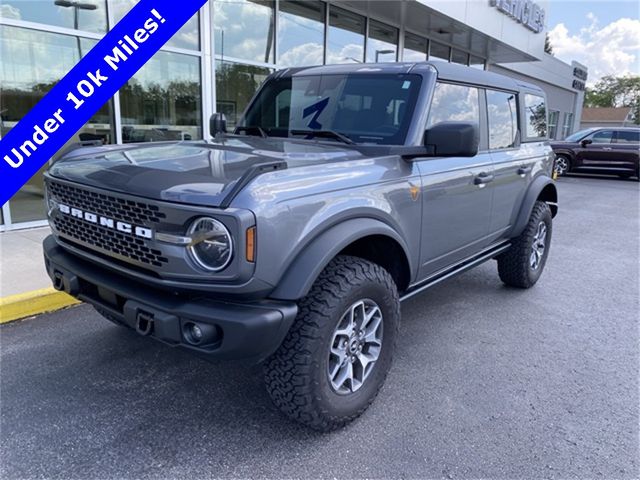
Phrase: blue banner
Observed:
(88, 86)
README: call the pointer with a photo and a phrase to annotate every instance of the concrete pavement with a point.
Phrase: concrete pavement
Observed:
(488, 382)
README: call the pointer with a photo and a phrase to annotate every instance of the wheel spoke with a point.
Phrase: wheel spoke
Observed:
(345, 373)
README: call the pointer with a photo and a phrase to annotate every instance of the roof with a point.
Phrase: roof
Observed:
(446, 71)
(605, 114)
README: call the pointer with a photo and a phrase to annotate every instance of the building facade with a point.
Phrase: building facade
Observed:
(219, 58)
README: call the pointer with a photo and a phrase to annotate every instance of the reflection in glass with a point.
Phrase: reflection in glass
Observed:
(503, 124)
(454, 103)
(458, 56)
(187, 37)
(163, 100)
(32, 63)
(300, 33)
(87, 15)
(438, 52)
(415, 48)
(345, 37)
(383, 42)
(535, 115)
(244, 29)
(554, 116)
(235, 85)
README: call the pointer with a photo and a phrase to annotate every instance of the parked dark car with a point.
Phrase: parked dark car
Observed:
(600, 150)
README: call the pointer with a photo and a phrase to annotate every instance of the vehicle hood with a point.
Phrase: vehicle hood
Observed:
(201, 173)
(561, 144)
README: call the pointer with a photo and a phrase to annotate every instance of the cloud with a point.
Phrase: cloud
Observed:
(610, 50)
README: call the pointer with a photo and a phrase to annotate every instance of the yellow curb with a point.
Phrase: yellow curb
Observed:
(32, 303)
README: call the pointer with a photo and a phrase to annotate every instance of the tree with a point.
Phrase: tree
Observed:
(613, 91)
(548, 48)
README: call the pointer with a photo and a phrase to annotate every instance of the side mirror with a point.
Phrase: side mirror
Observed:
(217, 124)
(585, 142)
(453, 139)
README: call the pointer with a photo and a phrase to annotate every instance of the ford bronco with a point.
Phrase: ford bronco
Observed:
(291, 241)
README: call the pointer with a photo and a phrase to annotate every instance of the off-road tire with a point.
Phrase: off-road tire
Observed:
(514, 265)
(296, 374)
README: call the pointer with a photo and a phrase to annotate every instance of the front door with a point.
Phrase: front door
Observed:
(597, 154)
(456, 191)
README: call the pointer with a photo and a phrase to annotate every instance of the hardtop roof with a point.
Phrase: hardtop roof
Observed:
(446, 71)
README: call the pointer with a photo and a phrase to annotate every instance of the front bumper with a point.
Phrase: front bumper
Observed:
(250, 331)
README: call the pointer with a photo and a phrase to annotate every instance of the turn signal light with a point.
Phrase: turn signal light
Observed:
(251, 244)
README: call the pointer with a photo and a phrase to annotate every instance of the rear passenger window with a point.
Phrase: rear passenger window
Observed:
(503, 122)
(628, 136)
(454, 103)
(535, 114)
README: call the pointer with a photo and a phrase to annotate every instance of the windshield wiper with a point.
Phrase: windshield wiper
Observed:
(252, 130)
(325, 134)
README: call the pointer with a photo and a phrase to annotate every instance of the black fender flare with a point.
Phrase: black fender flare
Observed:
(316, 255)
(543, 188)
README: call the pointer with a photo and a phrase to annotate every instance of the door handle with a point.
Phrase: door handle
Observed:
(482, 179)
(607, 148)
(524, 170)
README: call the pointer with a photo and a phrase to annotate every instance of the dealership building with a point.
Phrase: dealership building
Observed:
(218, 59)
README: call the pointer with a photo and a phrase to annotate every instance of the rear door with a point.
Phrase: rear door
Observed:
(513, 161)
(626, 147)
(456, 191)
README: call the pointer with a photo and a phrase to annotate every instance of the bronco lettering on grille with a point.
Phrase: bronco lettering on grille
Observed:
(106, 222)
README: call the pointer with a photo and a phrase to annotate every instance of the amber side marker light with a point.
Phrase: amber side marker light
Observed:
(251, 244)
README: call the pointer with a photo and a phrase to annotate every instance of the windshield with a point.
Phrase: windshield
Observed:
(360, 108)
(578, 135)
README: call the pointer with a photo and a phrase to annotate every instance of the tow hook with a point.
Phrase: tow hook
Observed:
(58, 281)
(144, 323)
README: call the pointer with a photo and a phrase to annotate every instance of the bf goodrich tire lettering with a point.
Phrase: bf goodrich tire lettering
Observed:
(296, 375)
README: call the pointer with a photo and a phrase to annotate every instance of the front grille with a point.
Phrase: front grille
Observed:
(138, 213)
(103, 238)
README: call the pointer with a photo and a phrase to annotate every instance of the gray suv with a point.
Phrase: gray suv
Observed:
(292, 241)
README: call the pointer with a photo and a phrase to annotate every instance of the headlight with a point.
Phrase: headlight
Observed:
(211, 246)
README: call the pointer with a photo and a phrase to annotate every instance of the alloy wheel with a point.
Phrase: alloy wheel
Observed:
(538, 246)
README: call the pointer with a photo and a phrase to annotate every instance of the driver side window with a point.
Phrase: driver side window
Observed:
(603, 136)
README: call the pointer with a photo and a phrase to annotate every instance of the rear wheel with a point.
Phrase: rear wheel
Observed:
(522, 265)
(337, 353)
(562, 165)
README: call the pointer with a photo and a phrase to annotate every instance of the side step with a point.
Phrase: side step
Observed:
(455, 269)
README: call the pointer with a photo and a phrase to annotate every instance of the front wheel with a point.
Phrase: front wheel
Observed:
(522, 265)
(337, 353)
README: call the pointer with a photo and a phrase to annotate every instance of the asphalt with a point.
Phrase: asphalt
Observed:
(487, 382)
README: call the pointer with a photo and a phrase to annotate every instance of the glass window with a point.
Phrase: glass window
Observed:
(235, 86)
(32, 63)
(88, 15)
(503, 123)
(163, 100)
(244, 29)
(567, 126)
(535, 116)
(345, 38)
(602, 136)
(476, 62)
(458, 56)
(579, 135)
(415, 48)
(628, 136)
(554, 115)
(383, 43)
(437, 51)
(300, 33)
(367, 108)
(187, 37)
(454, 103)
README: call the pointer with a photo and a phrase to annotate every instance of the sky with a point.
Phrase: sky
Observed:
(603, 35)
